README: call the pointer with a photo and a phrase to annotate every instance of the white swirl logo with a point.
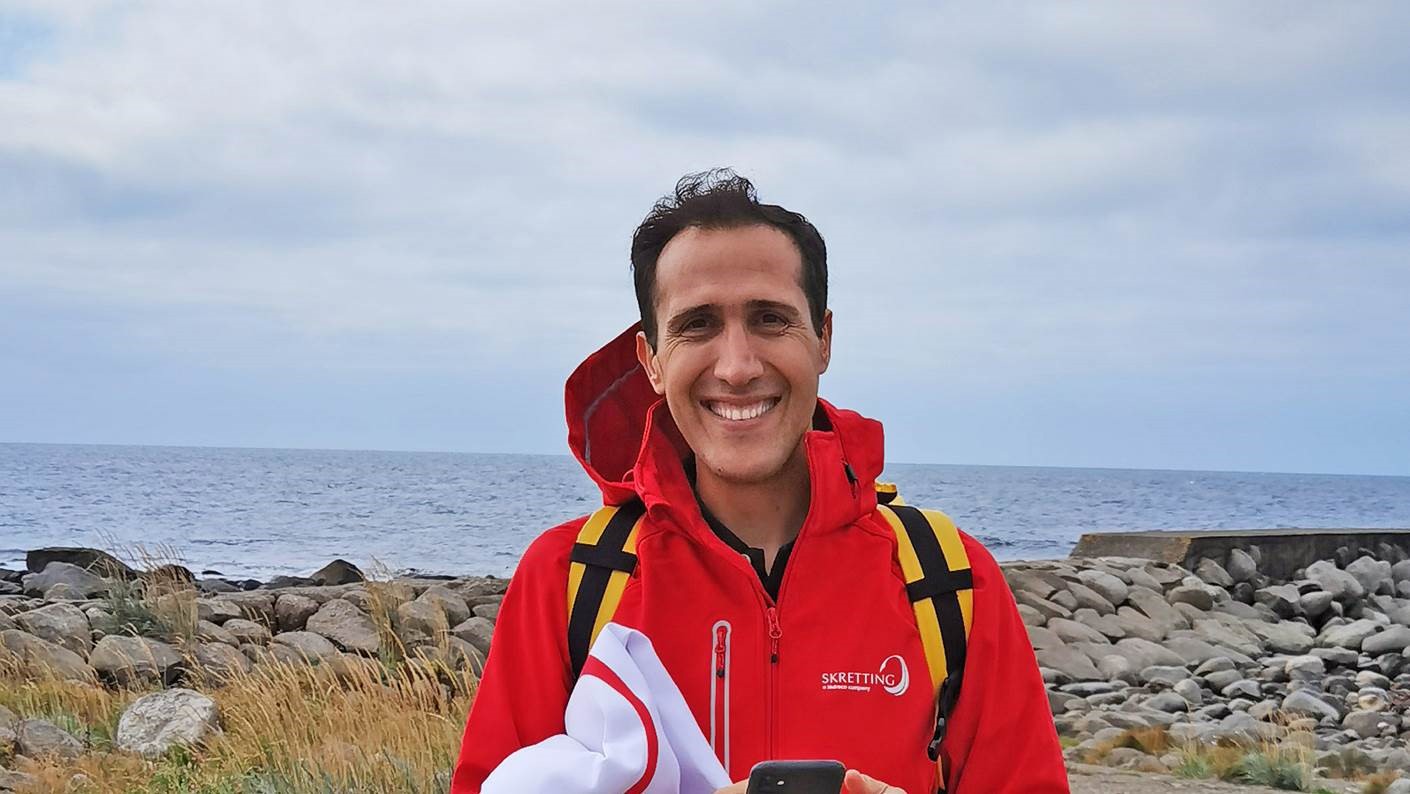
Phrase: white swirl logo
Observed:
(892, 685)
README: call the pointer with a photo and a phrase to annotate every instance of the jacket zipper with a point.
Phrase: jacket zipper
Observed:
(719, 691)
(775, 633)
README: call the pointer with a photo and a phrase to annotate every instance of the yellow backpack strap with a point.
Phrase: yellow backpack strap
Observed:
(601, 562)
(887, 494)
(941, 589)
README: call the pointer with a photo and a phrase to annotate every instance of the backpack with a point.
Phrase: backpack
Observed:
(939, 584)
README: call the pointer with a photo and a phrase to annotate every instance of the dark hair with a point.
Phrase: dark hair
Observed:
(721, 199)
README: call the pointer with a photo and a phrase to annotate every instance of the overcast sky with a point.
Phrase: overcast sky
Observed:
(1165, 235)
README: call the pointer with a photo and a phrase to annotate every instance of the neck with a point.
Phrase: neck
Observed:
(765, 514)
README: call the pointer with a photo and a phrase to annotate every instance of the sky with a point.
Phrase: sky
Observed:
(1150, 235)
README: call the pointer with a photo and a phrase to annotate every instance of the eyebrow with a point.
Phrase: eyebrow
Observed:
(680, 317)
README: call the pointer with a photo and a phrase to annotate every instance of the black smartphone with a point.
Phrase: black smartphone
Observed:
(796, 777)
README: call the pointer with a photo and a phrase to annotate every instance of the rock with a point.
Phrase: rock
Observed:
(17, 781)
(169, 576)
(1163, 675)
(1213, 573)
(135, 661)
(1241, 566)
(280, 582)
(216, 587)
(1400, 571)
(338, 572)
(1136, 624)
(62, 624)
(1144, 653)
(257, 606)
(42, 738)
(217, 610)
(1071, 631)
(1087, 598)
(1195, 651)
(1197, 597)
(221, 661)
(420, 622)
(1315, 604)
(1117, 668)
(246, 631)
(1046, 608)
(1283, 599)
(1169, 702)
(1031, 616)
(347, 626)
(1289, 637)
(1395, 638)
(39, 658)
(454, 607)
(1305, 668)
(1190, 691)
(207, 631)
(155, 723)
(1155, 607)
(1029, 582)
(76, 581)
(1349, 636)
(305, 645)
(96, 561)
(1366, 724)
(1343, 586)
(1373, 575)
(1108, 586)
(1303, 702)
(292, 611)
(478, 631)
(1242, 688)
(491, 612)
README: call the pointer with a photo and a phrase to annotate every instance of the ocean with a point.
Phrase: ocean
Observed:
(260, 512)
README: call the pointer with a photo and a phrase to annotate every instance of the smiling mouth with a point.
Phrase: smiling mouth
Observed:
(740, 413)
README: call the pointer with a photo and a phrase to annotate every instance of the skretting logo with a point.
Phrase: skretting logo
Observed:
(892, 677)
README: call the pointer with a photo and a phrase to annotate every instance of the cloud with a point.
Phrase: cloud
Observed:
(1021, 194)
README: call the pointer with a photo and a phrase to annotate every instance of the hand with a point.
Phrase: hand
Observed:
(735, 788)
(857, 783)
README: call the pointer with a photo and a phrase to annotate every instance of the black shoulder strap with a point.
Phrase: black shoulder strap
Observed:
(600, 564)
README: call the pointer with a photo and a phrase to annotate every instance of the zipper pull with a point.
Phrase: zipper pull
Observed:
(720, 652)
(851, 477)
(775, 631)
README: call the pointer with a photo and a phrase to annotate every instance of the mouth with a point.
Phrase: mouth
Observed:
(740, 412)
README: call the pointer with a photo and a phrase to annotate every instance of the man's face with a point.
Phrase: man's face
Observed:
(736, 354)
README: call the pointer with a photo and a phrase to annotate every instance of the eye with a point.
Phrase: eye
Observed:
(773, 319)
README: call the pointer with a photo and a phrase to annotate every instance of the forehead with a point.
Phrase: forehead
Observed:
(724, 266)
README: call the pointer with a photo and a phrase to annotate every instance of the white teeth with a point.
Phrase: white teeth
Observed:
(740, 413)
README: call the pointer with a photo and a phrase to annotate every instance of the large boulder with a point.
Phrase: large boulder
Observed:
(220, 661)
(451, 603)
(1373, 575)
(1154, 606)
(1241, 566)
(76, 582)
(338, 572)
(1302, 702)
(304, 646)
(95, 560)
(1110, 587)
(155, 723)
(1393, 640)
(1073, 663)
(39, 658)
(347, 626)
(135, 661)
(62, 624)
(421, 622)
(42, 738)
(1213, 573)
(1287, 637)
(477, 632)
(247, 631)
(292, 611)
(1144, 653)
(1343, 586)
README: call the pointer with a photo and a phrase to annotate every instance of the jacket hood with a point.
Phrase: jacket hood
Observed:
(622, 433)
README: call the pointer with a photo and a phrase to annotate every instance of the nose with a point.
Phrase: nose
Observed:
(738, 363)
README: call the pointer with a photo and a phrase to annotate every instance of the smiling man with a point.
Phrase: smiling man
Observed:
(801, 609)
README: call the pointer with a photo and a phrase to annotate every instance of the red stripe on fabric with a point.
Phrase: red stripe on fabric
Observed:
(594, 667)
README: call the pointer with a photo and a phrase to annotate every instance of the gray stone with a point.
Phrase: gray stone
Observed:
(40, 658)
(135, 661)
(1192, 650)
(96, 561)
(1395, 638)
(1070, 631)
(1219, 679)
(1136, 624)
(41, 738)
(155, 723)
(450, 602)
(292, 611)
(62, 624)
(1169, 702)
(1305, 668)
(1349, 636)
(1110, 587)
(1197, 596)
(1336, 656)
(304, 646)
(420, 622)
(1030, 616)
(1241, 566)
(1144, 653)
(338, 572)
(1400, 571)
(1190, 691)
(1164, 675)
(1107, 625)
(1303, 702)
(255, 605)
(221, 661)
(1291, 638)
(1373, 575)
(1154, 606)
(217, 610)
(1030, 582)
(347, 626)
(1343, 586)
(1242, 688)
(1117, 668)
(1316, 603)
(76, 579)
(1283, 599)
(207, 631)
(1213, 573)
(1366, 724)
(247, 631)
(1046, 608)
(478, 631)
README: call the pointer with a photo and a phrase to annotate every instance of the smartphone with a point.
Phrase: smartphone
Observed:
(796, 777)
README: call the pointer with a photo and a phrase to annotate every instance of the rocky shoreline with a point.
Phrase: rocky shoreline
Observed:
(1221, 656)
(1313, 666)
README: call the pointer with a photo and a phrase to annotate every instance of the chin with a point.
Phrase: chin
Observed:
(748, 472)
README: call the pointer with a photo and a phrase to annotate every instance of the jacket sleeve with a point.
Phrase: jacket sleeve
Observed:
(524, 690)
(1000, 736)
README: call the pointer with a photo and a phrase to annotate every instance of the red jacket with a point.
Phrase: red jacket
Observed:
(798, 682)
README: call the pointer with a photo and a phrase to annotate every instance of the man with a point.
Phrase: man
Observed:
(765, 574)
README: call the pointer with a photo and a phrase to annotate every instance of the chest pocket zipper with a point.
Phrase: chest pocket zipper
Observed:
(719, 690)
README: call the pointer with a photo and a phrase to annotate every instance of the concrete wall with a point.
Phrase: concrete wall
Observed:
(1281, 551)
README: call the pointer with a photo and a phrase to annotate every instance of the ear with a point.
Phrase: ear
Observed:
(647, 357)
(825, 340)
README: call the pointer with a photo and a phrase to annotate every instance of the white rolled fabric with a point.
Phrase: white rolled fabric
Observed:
(628, 730)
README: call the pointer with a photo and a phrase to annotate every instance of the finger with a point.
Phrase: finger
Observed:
(857, 783)
(735, 788)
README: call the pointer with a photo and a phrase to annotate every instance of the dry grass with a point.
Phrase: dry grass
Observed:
(287, 728)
